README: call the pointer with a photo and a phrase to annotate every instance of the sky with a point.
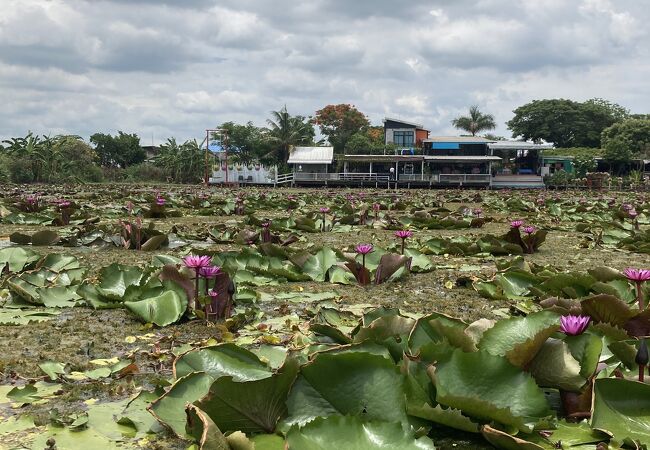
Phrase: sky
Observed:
(163, 68)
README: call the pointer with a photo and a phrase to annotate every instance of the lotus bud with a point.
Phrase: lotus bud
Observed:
(642, 359)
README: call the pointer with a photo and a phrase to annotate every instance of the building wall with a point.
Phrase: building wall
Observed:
(420, 135)
(263, 175)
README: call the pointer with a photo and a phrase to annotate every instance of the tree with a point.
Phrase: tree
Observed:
(339, 123)
(183, 163)
(247, 143)
(286, 131)
(122, 150)
(634, 133)
(475, 122)
(614, 110)
(565, 123)
(369, 141)
(617, 152)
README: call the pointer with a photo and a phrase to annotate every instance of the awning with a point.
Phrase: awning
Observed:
(380, 158)
(450, 158)
(311, 155)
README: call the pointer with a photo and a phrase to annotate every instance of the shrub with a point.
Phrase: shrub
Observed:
(20, 171)
(145, 172)
(559, 178)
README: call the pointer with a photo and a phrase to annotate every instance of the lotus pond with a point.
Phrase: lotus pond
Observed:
(177, 317)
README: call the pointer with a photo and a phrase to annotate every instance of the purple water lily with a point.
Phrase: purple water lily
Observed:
(403, 235)
(638, 276)
(197, 262)
(516, 223)
(363, 250)
(529, 229)
(574, 325)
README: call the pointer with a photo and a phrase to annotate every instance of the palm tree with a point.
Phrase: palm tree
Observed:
(287, 131)
(475, 122)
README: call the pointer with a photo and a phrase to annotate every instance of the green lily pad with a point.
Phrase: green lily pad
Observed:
(354, 433)
(622, 409)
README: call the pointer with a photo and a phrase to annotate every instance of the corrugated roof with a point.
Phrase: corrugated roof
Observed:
(518, 145)
(380, 158)
(463, 139)
(311, 155)
(463, 158)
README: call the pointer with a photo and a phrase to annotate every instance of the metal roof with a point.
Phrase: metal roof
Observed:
(380, 158)
(517, 145)
(463, 139)
(451, 158)
(311, 155)
(392, 119)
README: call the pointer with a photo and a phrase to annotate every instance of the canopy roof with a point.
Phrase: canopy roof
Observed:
(517, 145)
(311, 155)
(459, 158)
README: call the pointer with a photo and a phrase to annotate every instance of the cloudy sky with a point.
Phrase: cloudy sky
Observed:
(164, 68)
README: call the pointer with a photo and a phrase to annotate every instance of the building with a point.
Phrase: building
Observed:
(311, 163)
(406, 135)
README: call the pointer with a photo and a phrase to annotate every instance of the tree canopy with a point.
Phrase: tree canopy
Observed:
(286, 131)
(122, 150)
(339, 123)
(565, 123)
(475, 121)
(632, 133)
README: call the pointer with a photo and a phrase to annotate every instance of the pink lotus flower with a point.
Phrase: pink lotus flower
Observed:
(637, 274)
(364, 249)
(376, 207)
(403, 234)
(516, 223)
(212, 293)
(627, 206)
(196, 262)
(266, 224)
(324, 210)
(209, 271)
(478, 212)
(160, 201)
(529, 229)
(574, 325)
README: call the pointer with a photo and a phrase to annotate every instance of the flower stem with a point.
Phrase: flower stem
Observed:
(641, 372)
(196, 289)
(403, 243)
(639, 296)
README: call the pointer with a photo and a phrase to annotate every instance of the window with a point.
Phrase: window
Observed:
(404, 138)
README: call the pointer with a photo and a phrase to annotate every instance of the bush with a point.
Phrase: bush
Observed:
(4, 169)
(20, 171)
(93, 174)
(145, 172)
(559, 178)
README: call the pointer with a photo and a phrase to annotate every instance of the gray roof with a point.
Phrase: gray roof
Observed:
(518, 145)
(451, 158)
(416, 125)
(461, 139)
(311, 155)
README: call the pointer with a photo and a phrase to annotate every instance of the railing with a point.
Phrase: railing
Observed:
(460, 178)
(284, 178)
(319, 176)
(413, 177)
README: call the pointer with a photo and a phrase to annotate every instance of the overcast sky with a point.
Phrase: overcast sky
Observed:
(166, 68)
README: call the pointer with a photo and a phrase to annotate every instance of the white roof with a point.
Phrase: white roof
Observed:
(311, 155)
(517, 145)
(460, 139)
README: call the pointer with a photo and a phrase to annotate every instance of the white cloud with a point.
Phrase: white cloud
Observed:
(173, 68)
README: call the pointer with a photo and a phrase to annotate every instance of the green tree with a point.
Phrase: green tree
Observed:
(614, 110)
(475, 122)
(122, 150)
(184, 163)
(247, 143)
(339, 123)
(565, 123)
(635, 133)
(618, 153)
(286, 131)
